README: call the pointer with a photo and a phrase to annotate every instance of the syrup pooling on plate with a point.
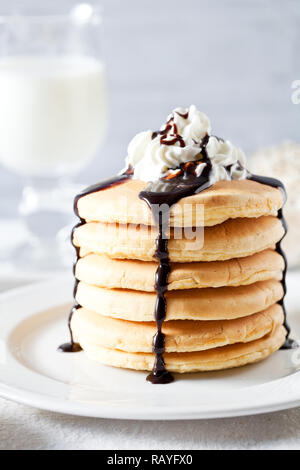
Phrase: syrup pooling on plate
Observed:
(71, 346)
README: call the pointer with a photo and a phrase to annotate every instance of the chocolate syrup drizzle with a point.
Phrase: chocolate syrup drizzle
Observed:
(179, 185)
(72, 346)
(169, 135)
(160, 203)
(274, 183)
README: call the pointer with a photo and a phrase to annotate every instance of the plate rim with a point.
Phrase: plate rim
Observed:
(34, 400)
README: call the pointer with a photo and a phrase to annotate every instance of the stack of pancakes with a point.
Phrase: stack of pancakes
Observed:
(223, 289)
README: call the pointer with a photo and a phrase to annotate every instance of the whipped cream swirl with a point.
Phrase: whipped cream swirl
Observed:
(153, 154)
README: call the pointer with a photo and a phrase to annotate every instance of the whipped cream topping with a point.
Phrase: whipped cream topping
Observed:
(152, 154)
(228, 161)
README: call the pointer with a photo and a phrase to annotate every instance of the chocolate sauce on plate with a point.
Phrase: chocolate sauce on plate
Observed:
(71, 346)
(169, 135)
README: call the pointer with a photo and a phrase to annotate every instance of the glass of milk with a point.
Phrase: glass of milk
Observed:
(53, 116)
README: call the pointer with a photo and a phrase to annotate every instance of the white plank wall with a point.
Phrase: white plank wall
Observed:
(235, 59)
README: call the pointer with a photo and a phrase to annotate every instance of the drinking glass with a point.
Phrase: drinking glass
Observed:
(53, 117)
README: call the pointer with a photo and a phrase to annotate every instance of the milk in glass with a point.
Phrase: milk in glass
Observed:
(52, 113)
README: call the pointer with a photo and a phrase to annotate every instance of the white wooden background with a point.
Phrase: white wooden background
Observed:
(235, 59)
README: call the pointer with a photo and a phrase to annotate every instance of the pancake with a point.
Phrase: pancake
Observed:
(232, 239)
(224, 200)
(226, 357)
(138, 275)
(223, 303)
(180, 336)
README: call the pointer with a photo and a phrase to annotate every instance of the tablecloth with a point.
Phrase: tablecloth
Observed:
(23, 428)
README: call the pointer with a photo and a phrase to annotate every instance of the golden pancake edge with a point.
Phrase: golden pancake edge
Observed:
(224, 200)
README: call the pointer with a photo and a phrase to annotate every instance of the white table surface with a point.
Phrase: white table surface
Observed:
(22, 427)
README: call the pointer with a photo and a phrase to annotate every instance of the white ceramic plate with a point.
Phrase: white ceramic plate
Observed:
(32, 371)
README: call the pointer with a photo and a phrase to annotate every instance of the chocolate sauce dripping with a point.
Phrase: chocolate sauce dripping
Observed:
(105, 184)
(166, 140)
(184, 116)
(108, 183)
(183, 185)
(274, 183)
(160, 204)
(71, 346)
(160, 375)
(169, 135)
